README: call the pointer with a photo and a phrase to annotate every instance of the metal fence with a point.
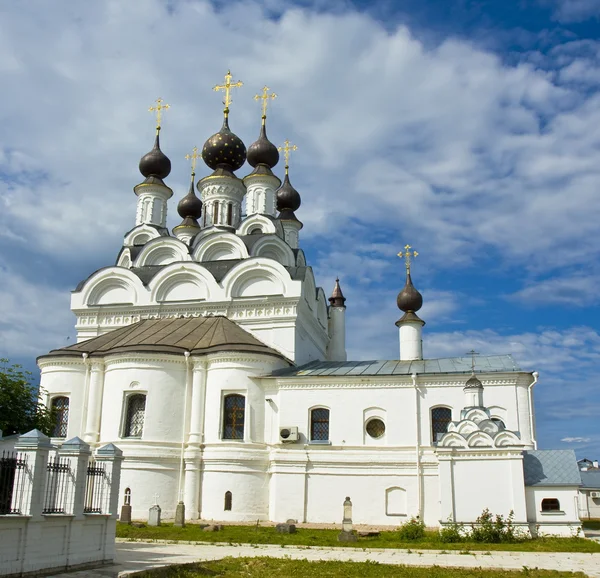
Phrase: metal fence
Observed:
(12, 482)
(58, 485)
(95, 489)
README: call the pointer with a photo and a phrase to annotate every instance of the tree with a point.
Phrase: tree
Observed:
(21, 409)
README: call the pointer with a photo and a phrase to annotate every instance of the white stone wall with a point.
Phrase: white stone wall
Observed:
(562, 523)
(588, 507)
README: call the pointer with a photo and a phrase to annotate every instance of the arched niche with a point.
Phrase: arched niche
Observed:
(480, 439)
(396, 503)
(452, 440)
(125, 259)
(276, 249)
(114, 285)
(249, 225)
(162, 251)
(507, 438)
(256, 277)
(219, 247)
(141, 235)
(184, 282)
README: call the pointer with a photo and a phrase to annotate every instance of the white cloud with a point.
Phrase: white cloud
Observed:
(578, 289)
(575, 440)
(576, 10)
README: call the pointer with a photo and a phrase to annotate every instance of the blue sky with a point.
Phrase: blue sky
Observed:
(469, 129)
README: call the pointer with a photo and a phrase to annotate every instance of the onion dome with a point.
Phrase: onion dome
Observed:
(337, 298)
(409, 299)
(263, 151)
(190, 205)
(473, 383)
(288, 198)
(224, 149)
(155, 163)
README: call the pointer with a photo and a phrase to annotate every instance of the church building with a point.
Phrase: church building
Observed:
(211, 358)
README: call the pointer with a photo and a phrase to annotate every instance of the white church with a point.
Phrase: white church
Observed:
(210, 356)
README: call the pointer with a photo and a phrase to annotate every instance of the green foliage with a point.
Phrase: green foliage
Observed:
(20, 406)
(284, 568)
(494, 530)
(452, 533)
(414, 529)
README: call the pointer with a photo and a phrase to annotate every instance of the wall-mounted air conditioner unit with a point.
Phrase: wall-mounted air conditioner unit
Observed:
(288, 434)
(594, 494)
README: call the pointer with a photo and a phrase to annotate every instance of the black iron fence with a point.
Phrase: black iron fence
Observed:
(95, 488)
(58, 484)
(12, 482)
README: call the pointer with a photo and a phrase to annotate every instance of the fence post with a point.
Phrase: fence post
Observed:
(78, 454)
(112, 456)
(35, 446)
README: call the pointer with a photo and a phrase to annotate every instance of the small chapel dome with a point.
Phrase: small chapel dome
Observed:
(409, 299)
(190, 205)
(155, 163)
(473, 383)
(263, 151)
(224, 149)
(288, 198)
(337, 298)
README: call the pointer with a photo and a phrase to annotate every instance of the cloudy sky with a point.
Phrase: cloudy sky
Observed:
(469, 129)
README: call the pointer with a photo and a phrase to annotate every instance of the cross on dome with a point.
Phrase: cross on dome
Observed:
(407, 255)
(158, 110)
(265, 97)
(287, 148)
(193, 157)
(227, 89)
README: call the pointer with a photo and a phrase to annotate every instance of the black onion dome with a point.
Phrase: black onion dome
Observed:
(155, 163)
(224, 149)
(288, 198)
(409, 299)
(190, 205)
(473, 383)
(263, 151)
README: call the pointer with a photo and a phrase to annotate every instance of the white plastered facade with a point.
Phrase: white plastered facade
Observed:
(253, 272)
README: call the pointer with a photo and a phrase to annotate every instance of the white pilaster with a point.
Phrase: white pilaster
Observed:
(291, 230)
(260, 195)
(94, 404)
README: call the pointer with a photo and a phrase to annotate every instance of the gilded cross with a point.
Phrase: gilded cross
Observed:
(158, 110)
(286, 148)
(265, 96)
(407, 255)
(473, 353)
(227, 88)
(193, 157)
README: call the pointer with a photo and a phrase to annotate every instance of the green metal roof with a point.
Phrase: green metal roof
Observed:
(483, 364)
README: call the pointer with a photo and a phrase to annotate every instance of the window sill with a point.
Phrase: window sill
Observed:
(553, 513)
(319, 443)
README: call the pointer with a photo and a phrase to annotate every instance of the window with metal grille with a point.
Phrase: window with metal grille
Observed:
(375, 428)
(228, 499)
(550, 505)
(234, 409)
(319, 424)
(134, 419)
(440, 418)
(60, 409)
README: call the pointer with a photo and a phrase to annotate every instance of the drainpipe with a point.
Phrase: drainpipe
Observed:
(183, 423)
(530, 392)
(418, 447)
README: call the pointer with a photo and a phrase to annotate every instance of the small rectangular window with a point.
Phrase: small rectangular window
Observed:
(60, 409)
(134, 418)
(234, 410)
(319, 424)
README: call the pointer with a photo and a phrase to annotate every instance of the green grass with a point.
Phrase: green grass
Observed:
(314, 537)
(285, 568)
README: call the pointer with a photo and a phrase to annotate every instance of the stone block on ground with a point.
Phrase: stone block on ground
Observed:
(180, 515)
(347, 537)
(285, 528)
(125, 516)
(154, 515)
(290, 521)
(213, 528)
(368, 534)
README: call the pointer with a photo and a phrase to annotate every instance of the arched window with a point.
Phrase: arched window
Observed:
(550, 505)
(60, 409)
(234, 410)
(440, 418)
(215, 212)
(228, 498)
(127, 499)
(319, 424)
(230, 213)
(134, 418)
